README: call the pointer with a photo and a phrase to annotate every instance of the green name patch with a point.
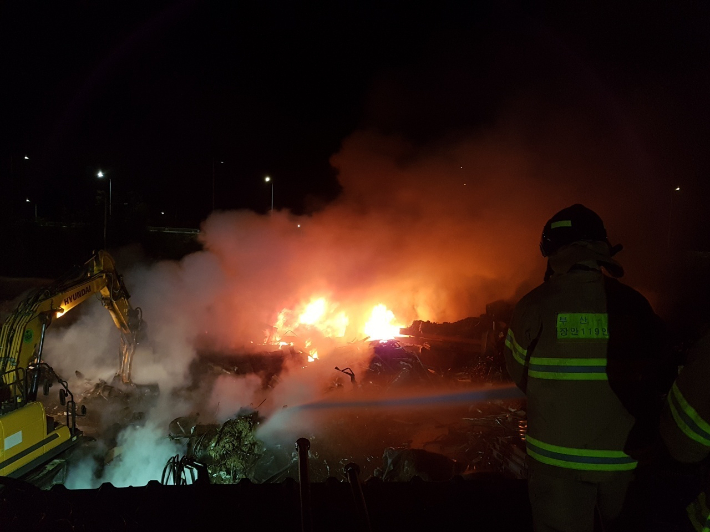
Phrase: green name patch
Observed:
(583, 326)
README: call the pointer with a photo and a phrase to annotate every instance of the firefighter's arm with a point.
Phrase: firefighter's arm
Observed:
(519, 343)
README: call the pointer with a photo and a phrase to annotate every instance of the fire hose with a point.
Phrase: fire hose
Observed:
(177, 471)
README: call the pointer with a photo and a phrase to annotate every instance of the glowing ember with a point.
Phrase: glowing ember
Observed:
(381, 326)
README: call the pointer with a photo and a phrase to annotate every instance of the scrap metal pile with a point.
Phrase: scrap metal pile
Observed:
(392, 444)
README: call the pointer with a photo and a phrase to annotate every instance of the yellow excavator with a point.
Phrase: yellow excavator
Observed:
(30, 439)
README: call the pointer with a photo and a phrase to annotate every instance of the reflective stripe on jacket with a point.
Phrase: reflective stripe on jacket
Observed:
(581, 369)
(581, 459)
(687, 418)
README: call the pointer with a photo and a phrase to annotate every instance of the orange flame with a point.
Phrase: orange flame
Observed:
(381, 324)
(320, 318)
(313, 312)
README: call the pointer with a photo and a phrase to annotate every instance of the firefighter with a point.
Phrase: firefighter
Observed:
(588, 351)
(685, 431)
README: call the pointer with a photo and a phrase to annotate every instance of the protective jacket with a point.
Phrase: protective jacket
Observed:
(685, 423)
(588, 352)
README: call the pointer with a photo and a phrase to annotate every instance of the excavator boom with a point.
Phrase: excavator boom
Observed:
(22, 334)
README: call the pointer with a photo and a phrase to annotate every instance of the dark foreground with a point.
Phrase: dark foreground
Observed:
(484, 503)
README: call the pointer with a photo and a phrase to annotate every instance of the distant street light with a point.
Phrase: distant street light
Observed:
(269, 180)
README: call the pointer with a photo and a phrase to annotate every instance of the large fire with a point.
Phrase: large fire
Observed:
(320, 318)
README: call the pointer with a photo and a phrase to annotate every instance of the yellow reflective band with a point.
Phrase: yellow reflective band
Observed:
(687, 418)
(568, 369)
(568, 361)
(561, 223)
(580, 459)
(566, 376)
(582, 467)
(583, 326)
(519, 353)
(577, 452)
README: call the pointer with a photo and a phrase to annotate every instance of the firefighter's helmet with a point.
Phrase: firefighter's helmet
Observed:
(573, 224)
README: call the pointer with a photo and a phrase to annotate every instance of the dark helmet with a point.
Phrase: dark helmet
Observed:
(572, 224)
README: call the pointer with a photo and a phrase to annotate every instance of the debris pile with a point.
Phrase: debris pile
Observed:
(391, 444)
(230, 451)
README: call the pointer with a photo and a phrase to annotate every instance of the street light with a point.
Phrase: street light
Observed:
(269, 180)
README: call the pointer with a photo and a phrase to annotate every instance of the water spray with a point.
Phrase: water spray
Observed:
(470, 396)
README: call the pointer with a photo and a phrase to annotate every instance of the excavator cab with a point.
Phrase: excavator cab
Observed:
(29, 437)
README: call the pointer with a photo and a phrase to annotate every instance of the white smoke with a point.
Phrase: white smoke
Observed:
(139, 457)
(90, 345)
(140, 454)
(230, 394)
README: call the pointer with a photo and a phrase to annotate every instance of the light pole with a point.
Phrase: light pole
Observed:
(213, 181)
(269, 180)
(670, 216)
(27, 200)
(100, 175)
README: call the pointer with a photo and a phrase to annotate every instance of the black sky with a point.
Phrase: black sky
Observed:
(157, 94)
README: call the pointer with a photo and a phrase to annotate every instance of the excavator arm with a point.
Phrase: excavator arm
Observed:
(22, 334)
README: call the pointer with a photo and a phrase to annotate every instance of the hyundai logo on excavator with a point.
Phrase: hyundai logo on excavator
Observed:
(76, 295)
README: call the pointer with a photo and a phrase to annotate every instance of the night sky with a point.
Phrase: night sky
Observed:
(165, 96)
